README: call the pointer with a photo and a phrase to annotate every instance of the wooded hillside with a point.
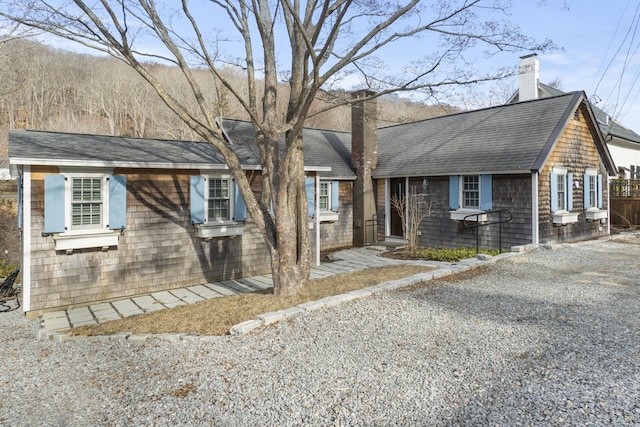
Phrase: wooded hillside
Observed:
(49, 89)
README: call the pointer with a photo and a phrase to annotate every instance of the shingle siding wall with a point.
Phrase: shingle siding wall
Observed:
(576, 150)
(339, 234)
(159, 249)
(511, 192)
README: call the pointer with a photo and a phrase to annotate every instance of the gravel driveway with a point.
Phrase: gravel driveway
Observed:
(549, 337)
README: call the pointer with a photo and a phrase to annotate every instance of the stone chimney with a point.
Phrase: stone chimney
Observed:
(364, 157)
(529, 71)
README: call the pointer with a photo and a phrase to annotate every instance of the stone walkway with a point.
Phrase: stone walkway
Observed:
(346, 261)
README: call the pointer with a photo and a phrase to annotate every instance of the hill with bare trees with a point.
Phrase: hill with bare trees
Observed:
(50, 89)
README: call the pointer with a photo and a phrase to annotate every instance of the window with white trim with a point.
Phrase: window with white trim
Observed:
(325, 196)
(218, 199)
(82, 209)
(593, 195)
(86, 203)
(471, 192)
(561, 192)
(470, 197)
(217, 208)
(561, 188)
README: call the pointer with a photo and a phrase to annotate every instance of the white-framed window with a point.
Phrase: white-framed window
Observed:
(84, 207)
(561, 189)
(325, 196)
(593, 195)
(470, 197)
(217, 208)
(471, 192)
(218, 199)
(88, 201)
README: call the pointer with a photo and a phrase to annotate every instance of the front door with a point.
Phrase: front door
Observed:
(398, 190)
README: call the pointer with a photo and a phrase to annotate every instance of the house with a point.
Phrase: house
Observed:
(545, 161)
(623, 143)
(107, 217)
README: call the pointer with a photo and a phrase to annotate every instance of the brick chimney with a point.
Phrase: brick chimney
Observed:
(364, 157)
(529, 70)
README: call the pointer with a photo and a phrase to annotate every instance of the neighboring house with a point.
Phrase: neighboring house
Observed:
(545, 161)
(106, 217)
(623, 143)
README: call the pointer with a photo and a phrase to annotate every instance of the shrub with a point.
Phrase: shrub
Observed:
(451, 255)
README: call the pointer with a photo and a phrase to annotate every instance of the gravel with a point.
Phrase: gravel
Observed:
(549, 337)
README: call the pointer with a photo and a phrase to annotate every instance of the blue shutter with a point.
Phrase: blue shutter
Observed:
(196, 192)
(310, 186)
(454, 192)
(599, 191)
(586, 189)
(335, 193)
(554, 191)
(239, 207)
(569, 192)
(486, 189)
(54, 204)
(117, 202)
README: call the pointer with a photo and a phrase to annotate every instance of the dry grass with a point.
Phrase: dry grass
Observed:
(217, 316)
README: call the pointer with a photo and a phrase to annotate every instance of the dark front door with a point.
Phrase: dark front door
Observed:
(398, 190)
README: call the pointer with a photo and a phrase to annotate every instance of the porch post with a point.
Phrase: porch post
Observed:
(26, 238)
(535, 228)
(317, 218)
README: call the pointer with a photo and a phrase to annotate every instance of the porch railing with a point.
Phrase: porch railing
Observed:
(619, 188)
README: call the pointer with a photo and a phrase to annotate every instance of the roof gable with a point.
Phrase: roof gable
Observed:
(513, 138)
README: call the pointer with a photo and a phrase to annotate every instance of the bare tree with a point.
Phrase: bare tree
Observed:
(412, 208)
(321, 41)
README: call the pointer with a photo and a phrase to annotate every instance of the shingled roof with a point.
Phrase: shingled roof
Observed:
(513, 138)
(324, 150)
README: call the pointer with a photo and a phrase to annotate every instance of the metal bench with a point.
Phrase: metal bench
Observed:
(8, 292)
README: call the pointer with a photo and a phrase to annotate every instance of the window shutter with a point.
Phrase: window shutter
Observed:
(554, 191)
(117, 202)
(586, 189)
(569, 192)
(454, 192)
(599, 191)
(486, 189)
(239, 207)
(335, 193)
(196, 191)
(54, 204)
(310, 186)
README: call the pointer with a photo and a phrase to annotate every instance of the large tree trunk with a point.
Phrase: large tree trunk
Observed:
(291, 258)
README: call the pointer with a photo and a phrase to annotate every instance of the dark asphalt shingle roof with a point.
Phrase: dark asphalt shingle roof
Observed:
(608, 125)
(322, 149)
(504, 139)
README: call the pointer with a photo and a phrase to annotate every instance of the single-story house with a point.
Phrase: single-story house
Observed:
(543, 161)
(106, 217)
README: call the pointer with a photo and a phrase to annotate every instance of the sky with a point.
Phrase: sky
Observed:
(598, 50)
(599, 55)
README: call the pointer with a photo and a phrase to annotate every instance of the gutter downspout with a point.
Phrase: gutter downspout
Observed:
(535, 227)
